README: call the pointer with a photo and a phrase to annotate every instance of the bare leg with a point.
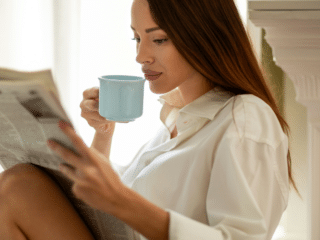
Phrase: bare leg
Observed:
(33, 207)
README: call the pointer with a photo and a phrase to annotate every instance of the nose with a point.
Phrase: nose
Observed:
(143, 54)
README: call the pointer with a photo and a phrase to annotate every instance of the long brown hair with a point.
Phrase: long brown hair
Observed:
(210, 35)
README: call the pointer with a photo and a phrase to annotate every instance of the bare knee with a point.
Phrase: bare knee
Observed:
(11, 185)
(31, 199)
(15, 178)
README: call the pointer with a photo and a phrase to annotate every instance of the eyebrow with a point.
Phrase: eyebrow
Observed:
(149, 29)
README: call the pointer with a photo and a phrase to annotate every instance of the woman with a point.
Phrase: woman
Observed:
(219, 168)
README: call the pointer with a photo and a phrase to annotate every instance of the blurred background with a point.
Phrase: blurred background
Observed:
(81, 40)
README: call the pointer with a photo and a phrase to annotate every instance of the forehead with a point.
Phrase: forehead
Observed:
(140, 14)
(141, 2)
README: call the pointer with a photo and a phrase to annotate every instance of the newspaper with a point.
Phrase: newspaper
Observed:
(29, 112)
(30, 109)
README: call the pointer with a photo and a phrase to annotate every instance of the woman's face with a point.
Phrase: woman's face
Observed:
(157, 53)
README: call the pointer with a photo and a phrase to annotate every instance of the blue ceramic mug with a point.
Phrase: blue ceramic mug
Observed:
(121, 97)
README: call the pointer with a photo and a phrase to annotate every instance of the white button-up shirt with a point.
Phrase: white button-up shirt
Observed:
(224, 176)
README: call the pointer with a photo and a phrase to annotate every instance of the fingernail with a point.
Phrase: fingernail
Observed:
(63, 124)
(51, 143)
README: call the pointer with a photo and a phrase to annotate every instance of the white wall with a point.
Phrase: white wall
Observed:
(26, 32)
(26, 43)
(296, 116)
(107, 49)
(26, 35)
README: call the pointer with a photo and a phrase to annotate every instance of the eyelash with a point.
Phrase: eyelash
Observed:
(156, 41)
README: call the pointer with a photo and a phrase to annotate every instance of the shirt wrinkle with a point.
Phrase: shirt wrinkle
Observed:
(205, 107)
(275, 166)
(234, 119)
(206, 127)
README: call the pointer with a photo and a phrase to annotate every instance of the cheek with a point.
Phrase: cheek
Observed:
(173, 63)
(168, 55)
(166, 59)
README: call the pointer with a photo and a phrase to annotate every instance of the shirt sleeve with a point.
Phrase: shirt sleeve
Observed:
(247, 193)
(119, 169)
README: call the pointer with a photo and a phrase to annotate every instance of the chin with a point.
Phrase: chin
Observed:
(158, 90)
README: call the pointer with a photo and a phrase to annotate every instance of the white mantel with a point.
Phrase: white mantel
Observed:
(293, 32)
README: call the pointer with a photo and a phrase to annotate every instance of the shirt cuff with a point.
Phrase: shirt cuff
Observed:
(184, 228)
(119, 169)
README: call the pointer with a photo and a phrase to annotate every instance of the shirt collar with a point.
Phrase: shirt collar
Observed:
(206, 106)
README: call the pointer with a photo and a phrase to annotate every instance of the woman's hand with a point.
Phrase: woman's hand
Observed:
(90, 111)
(95, 182)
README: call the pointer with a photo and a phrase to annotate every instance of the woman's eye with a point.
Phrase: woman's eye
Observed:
(158, 41)
(136, 39)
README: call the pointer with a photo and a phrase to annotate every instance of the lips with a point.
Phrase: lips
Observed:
(152, 78)
(151, 73)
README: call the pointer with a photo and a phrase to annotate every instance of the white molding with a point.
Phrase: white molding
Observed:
(293, 32)
(284, 4)
(313, 210)
(309, 89)
(293, 237)
(255, 36)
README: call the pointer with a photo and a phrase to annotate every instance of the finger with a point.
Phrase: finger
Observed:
(80, 187)
(67, 155)
(93, 104)
(75, 139)
(89, 105)
(95, 116)
(69, 172)
(91, 93)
